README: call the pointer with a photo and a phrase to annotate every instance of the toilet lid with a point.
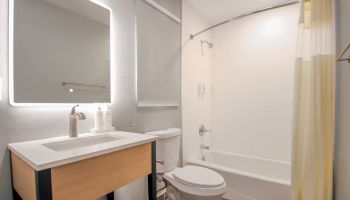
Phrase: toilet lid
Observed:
(198, 177)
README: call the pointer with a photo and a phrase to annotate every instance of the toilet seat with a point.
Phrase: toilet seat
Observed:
(201, 177)
(198, 181)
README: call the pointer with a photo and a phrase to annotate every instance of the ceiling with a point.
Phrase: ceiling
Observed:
(85, 8)
(215, 11)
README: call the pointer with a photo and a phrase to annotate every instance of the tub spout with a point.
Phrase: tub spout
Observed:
(204, 147)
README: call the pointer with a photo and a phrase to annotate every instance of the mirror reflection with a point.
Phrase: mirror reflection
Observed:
(61, 52)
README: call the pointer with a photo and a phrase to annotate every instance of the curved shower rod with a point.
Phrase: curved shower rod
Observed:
(241, 16)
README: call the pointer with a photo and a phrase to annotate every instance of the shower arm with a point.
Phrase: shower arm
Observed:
(210, 45)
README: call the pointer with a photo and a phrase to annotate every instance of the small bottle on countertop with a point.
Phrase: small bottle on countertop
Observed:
(107, 115)
(99, 118)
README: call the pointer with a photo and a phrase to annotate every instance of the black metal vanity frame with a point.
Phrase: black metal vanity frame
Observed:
(44, 187)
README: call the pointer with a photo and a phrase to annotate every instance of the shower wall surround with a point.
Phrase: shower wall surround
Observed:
(196, 68)
(249, 74)
(253, 81)
(26, 123)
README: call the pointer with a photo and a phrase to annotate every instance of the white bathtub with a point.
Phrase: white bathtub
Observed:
(249, 178)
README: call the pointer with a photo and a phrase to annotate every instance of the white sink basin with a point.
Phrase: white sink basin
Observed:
(52, 152)
(76, 143)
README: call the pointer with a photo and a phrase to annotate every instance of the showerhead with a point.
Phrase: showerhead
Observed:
(210, 45)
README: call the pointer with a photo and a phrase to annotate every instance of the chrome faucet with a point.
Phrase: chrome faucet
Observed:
(204, 147)
(73, 121)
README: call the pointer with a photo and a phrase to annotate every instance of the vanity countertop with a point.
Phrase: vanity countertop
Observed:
(52, 152)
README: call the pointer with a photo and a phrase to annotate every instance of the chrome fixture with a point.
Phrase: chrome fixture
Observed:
(241, 16)
(202, 130)
(210, 44)
(73, 121)
(83, 84)
(206, 147)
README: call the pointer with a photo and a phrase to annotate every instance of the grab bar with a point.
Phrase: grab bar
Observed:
(340, 56)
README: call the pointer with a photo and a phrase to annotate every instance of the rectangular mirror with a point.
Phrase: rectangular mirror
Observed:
(59, 52)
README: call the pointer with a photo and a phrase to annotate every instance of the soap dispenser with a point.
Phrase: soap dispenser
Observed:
(103, 120)
(107, 116)
(99, 120)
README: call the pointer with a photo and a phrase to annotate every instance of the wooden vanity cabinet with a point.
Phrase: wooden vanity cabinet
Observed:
(85, 179)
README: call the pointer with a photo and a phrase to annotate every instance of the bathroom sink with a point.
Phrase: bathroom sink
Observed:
(52, 152)
(76, 143)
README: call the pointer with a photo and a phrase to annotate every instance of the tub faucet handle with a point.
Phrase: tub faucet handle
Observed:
(202, 130)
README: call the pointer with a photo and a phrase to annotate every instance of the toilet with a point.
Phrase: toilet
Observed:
(189, 182)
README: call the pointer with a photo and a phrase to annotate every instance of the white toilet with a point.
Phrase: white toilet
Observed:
(189, 182)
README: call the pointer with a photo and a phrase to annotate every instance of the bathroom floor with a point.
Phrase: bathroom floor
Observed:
(163, 197)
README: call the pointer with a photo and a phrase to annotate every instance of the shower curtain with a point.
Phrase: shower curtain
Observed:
(313, 131)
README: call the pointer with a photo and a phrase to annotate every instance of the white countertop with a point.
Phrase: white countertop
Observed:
(41, 157)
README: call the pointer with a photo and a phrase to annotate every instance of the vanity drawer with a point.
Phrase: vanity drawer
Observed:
(95, 177)
(82, 180)
(23, 178)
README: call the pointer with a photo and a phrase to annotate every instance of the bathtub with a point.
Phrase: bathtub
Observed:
(247, 177)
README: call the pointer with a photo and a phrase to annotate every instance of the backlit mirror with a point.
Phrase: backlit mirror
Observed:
(59, 52)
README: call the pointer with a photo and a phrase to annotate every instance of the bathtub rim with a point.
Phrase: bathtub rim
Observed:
(197, 161)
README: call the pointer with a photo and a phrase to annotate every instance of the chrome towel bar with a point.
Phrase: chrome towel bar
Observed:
(83, 84)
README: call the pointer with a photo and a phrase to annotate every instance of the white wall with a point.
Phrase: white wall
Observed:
(195, 69)
(342, 138)
(159, 66)
(20, 124)
(253, 72)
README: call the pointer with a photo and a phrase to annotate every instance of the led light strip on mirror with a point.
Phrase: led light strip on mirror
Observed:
(110, 88)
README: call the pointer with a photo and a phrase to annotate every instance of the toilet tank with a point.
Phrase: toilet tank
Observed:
(167, 148)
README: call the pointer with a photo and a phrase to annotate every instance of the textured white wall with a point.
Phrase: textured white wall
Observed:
(195, 68)
(19, 124)
(253, 72)
(342, 147)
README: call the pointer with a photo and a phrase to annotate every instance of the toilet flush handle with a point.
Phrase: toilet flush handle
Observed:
(160, 162)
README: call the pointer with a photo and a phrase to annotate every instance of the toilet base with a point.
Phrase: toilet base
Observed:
(175, 194)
